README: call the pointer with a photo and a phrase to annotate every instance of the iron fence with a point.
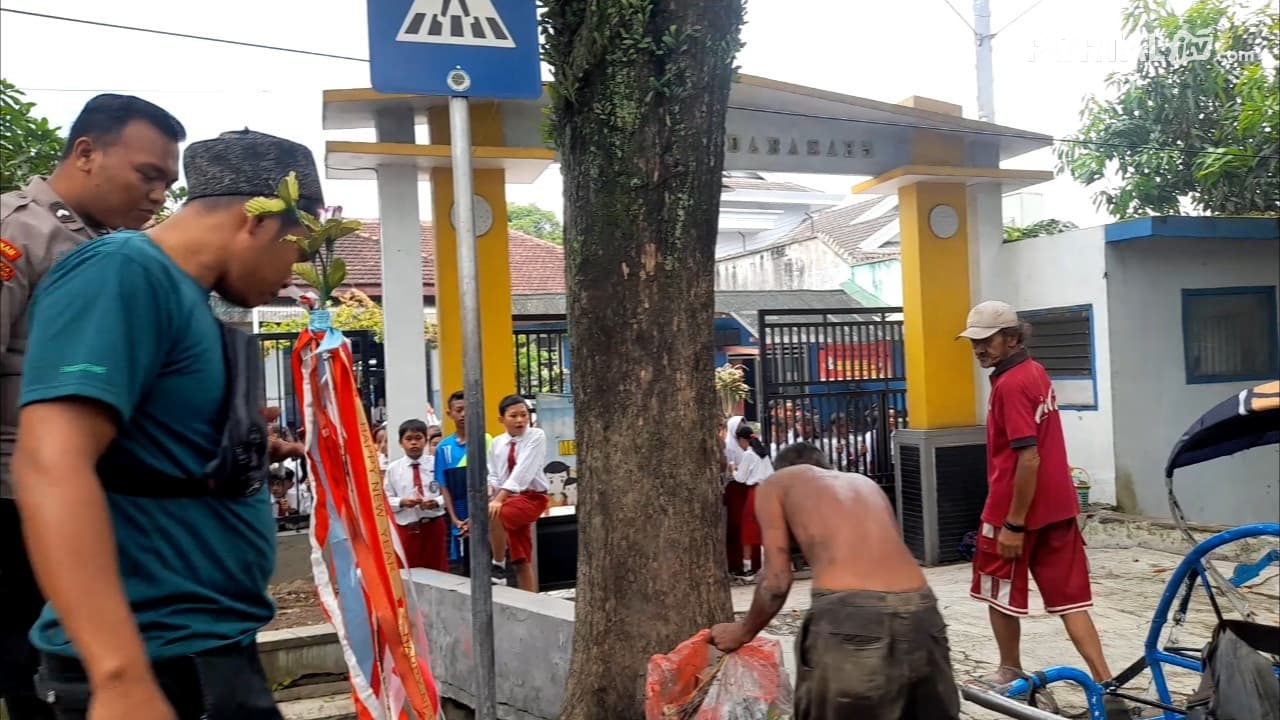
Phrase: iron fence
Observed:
(835, 379)
(541, 355)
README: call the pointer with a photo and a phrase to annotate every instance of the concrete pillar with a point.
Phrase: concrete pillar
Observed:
(986, 236)
(494, 264)
(402, 311)
(935, 301)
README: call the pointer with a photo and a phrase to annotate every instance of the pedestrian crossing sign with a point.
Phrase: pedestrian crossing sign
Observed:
(415, 45)
(455, 22)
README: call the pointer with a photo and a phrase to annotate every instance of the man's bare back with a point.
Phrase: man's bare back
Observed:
(846, 528)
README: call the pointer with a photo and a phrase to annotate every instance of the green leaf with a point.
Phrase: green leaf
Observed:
(308, 220)
(347, 227)
(307, 272)
(337, 273)
(314, 242)
(264, 206)
(288, 190)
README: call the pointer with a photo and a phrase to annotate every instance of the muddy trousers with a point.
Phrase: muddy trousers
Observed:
(225, 683)
(865, 655)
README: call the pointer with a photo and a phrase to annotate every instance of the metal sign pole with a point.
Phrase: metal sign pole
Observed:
(473, 383)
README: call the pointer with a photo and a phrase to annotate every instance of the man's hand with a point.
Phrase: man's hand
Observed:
(1009, 543)
(278, 450)
(430, 504)
(495, 509)
(129, 700)
(464, 527)
(406, 503)
(728, 637)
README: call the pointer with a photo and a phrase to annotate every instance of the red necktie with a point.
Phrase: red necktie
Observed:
(511, 456)
(417, 479)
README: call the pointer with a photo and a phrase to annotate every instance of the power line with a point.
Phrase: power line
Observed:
(888, 123)
(185, 36)
(995, 133)
(149, 91)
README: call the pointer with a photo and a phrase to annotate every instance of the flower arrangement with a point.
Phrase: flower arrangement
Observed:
(321, 270)
(731, 386)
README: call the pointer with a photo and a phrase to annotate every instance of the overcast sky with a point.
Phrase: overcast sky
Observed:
(1045, 62)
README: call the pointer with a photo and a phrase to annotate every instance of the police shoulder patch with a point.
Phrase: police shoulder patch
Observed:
(6, 271)
(9, 251)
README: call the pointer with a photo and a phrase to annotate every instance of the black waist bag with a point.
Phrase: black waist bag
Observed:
(240, 467)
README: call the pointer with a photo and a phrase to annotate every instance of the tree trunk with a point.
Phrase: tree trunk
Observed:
(641, 90)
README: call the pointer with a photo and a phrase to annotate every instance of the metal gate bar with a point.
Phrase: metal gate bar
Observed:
(835, 378)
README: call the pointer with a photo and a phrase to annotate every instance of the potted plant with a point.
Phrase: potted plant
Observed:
(732, 388)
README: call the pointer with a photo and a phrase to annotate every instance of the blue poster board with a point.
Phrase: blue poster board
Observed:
(466, 48)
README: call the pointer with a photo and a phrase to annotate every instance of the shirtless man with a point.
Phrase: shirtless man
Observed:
(873, 645)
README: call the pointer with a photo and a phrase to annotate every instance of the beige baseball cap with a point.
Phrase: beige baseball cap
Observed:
(988, 318)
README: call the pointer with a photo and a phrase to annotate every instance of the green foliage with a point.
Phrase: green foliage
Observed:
(533, 220)
(539, 367)
(1051, 226)
(322, 270)
(1227, 105)
(173, 199)
(28, 144)
(354, 311)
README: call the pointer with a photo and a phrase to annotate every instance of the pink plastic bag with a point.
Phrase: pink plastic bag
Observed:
(752, 684)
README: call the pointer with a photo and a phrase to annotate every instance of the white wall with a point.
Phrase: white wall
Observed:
(882, 279)
(1062, 271)
(1154, 404)
(805, 265)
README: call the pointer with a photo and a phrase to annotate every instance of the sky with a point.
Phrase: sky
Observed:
(1052, 54)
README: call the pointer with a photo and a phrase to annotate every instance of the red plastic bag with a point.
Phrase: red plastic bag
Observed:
(751, 685)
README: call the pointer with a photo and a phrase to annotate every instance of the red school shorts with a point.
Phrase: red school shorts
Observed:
(518, 515)
(1054, 555)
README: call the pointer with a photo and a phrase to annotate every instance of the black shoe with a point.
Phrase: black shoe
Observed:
(498, 574)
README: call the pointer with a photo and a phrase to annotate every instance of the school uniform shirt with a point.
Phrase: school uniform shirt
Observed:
(399, 483)
(753, 469)
(732, 451)
(530, 457)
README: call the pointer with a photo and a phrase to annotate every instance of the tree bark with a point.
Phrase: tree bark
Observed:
(638, 117)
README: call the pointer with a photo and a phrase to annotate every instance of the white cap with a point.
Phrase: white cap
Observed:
(988, 318)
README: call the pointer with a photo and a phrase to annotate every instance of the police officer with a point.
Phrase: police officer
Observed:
(120, 158)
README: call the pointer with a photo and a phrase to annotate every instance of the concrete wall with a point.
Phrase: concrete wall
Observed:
(882, 279)
(533, 642)
(1062, 271)
(805, 265)
(1153, 402)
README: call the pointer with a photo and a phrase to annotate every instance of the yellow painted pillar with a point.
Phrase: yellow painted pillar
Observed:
(935, 292)
(493, 269)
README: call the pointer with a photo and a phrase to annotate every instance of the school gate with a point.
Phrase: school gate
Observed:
(836, 379)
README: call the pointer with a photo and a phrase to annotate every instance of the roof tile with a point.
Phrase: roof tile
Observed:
(537, 266)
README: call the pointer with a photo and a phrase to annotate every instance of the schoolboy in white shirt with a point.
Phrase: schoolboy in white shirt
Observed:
(419, 503)
(519, 486)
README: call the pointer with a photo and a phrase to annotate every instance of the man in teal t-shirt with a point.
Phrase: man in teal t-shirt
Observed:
(154, 601)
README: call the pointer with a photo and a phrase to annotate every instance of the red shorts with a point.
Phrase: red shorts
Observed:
(1055, 557)
(519, 513)
(426, 544)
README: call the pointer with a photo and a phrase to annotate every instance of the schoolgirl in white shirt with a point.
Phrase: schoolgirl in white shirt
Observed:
(753, 468)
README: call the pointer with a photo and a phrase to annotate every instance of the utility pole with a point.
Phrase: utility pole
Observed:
(983, 37)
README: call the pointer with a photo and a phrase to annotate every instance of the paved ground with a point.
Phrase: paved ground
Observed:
(1127, 585)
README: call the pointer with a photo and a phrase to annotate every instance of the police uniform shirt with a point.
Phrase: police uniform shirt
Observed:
(36, 228)
(399, 484)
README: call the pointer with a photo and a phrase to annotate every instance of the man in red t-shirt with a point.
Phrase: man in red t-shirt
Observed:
(1029, 520)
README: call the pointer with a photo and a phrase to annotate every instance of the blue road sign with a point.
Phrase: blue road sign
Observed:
(468, 48)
